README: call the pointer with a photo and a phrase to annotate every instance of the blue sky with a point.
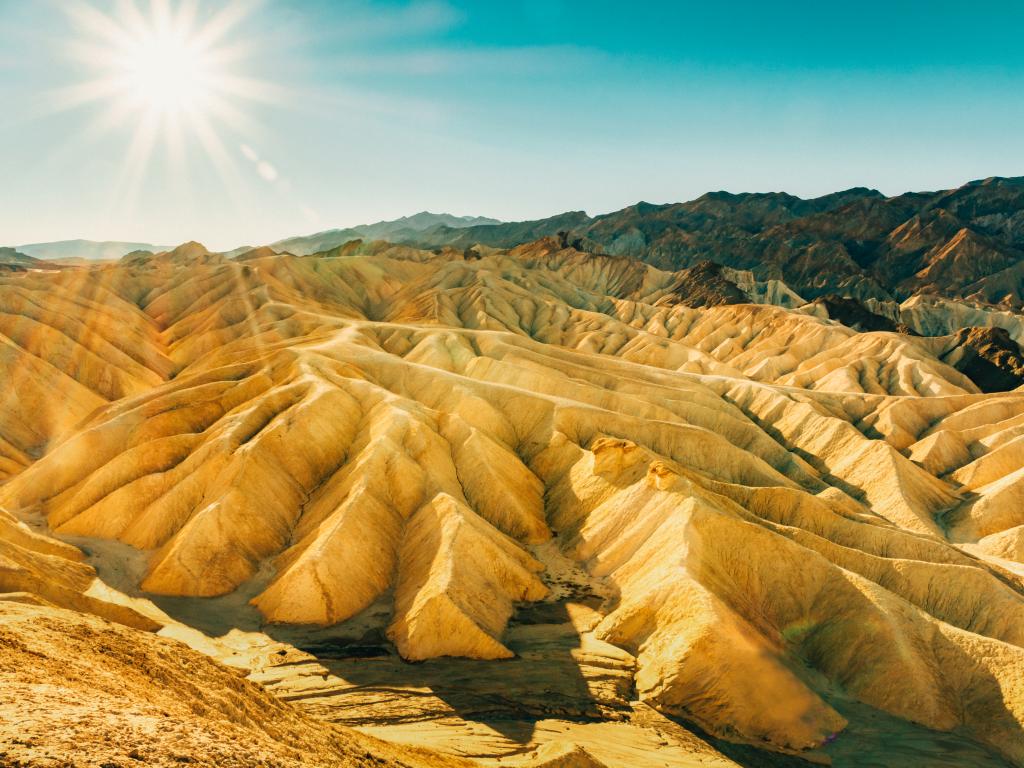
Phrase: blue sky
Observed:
(369, 110)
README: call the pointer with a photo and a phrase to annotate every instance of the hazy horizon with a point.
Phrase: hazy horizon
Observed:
(356, 225)
(321, 115)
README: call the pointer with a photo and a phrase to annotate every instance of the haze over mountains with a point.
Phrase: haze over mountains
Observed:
(85, 250)
(396, 229)
(729, 482)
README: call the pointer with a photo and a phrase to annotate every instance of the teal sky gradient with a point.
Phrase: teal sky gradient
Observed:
(518, 110)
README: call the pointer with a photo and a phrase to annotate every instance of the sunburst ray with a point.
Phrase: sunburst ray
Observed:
(166, 74)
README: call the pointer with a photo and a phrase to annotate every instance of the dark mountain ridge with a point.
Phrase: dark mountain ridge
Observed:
(964, 243)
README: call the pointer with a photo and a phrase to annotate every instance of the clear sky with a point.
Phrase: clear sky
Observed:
(307, 115)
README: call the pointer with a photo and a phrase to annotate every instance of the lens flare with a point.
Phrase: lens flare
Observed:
(166, 72)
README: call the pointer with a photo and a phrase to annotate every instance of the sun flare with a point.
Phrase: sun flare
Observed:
(167, 72)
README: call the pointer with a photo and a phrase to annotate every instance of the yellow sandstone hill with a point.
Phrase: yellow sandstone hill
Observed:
(780, 523)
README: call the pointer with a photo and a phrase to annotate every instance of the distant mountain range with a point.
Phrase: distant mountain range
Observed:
(965, 243)
(422, 224)
(397, 230)
(86, 250)
(13, 260)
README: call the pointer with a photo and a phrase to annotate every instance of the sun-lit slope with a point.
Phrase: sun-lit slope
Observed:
(617, 306)
(380, 424)
(976, 445)
(344, 438)
(719, 583)
(75, 690)
(67, 346)
(770, 344)
(39, 570)
(95, 336)
(700, 602)
(201, 302)
(972, 443)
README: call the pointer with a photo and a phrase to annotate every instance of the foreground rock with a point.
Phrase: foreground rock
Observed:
(76, 690)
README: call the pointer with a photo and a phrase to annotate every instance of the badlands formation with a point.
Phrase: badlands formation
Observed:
(535, 506)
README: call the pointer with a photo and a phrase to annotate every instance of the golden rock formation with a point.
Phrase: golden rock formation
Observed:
(787, 515)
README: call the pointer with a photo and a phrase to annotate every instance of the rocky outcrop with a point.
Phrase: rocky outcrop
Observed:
(853, 314)
(704, 285)
(989, 356)
(75, 689)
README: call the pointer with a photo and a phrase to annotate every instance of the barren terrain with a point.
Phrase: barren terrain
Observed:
(532, 506)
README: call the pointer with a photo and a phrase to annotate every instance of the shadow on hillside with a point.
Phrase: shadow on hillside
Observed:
(509, 696)
(545, 679)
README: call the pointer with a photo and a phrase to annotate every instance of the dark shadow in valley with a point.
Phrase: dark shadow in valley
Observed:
(544, 680)
(548, 678)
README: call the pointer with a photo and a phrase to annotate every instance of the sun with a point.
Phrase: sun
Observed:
(164, 71)
(160, 59)
(168, 72)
